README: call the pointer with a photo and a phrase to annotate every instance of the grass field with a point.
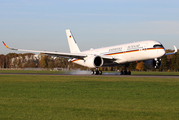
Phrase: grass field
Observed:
(88, 97)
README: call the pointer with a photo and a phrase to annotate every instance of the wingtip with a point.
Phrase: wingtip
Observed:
(5, 44)
(176, 50)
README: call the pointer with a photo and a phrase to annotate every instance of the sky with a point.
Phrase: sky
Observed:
(41, 24)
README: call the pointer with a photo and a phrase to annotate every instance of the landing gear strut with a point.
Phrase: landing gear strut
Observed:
(125, 72)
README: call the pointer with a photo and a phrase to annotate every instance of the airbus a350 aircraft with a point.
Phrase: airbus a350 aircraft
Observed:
(148, 51)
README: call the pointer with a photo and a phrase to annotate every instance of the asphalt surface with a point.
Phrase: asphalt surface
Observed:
(104, 75)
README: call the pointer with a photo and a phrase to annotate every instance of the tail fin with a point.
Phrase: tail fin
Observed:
(72, 43)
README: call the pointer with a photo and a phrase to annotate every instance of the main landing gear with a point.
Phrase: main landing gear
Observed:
(125, 72)
(99, 72)
(96, 72)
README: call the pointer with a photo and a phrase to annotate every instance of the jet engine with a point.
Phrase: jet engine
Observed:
(94, 61)
(153, 64)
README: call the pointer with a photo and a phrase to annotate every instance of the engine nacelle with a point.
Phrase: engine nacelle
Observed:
(93, 61)
(153, 64)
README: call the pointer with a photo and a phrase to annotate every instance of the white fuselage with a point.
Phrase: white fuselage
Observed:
(137, 51)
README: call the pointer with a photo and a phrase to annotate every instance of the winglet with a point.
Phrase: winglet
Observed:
(176, 50)
(5, 44)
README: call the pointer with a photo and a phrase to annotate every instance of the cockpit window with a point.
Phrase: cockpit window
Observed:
(158, 46)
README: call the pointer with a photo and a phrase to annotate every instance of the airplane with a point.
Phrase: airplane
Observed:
(149, 51)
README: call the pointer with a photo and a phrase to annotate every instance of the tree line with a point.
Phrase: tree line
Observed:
(30, 60)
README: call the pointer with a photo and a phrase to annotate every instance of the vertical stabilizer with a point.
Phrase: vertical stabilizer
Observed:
(72, 43)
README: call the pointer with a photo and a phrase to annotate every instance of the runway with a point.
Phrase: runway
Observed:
(105, 75)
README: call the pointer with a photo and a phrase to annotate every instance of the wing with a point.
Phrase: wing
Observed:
(173, 52)
(57, 54)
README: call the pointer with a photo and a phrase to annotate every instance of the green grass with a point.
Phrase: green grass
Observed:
(88, 97)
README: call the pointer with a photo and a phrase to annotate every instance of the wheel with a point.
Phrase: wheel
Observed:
(100, 72)
(92, 72)
(97, 72)
(129, 73)
(125, 72)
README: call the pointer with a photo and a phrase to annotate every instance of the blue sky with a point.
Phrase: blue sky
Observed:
(41, 24)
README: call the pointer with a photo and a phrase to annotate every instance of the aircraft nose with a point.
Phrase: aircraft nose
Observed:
(162, 52)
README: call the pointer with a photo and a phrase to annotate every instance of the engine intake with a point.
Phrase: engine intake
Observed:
(97, 61)
(94, 61)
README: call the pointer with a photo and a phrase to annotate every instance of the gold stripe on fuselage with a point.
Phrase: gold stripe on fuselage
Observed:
(145, 49)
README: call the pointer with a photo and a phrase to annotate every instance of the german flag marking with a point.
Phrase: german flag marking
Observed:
(134, 51)
(5, 44)
(75, 60)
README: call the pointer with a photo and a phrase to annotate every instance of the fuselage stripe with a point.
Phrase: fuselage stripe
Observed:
(144, 49)
(75, 60)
